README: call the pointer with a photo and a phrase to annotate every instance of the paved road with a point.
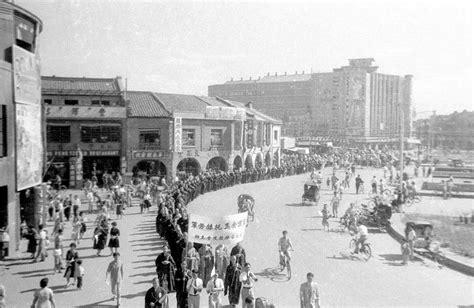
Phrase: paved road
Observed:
(343, 281)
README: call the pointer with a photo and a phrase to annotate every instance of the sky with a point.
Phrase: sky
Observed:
(182, 47)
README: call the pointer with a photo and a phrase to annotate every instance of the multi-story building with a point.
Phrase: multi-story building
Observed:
(169, 134)
(86, 127)
(353, 103)
(453, 131)
(21, 132)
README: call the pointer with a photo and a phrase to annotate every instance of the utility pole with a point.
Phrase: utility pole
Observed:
(402, 137)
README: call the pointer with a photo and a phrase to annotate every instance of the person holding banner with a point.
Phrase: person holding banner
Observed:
(247, 278)
(214, 288)
(232, 284)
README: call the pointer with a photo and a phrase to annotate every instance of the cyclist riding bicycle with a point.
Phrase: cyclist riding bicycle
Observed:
(284, 245)
(362, 235)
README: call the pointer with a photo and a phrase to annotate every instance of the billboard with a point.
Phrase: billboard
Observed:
(225, 113)
(29, 139)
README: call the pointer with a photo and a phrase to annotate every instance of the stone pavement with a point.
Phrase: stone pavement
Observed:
(344, 281)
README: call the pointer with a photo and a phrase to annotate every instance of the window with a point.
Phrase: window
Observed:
(189, 137)
(149, 139)
(275, 135)
(105, 103)
(95, 103)
(71, 102)
(100, 133)
(58, 133)
(48, 101)
(3, 130)
(216, 137)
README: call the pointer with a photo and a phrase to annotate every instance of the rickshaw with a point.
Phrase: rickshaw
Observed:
(246, 204)
(424, 234)
(311, 192)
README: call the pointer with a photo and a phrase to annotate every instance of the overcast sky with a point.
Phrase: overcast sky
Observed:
(184, 47)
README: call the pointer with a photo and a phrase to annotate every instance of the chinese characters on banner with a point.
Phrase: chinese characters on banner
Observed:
(178, 130)
(29, 139)
(226, 230)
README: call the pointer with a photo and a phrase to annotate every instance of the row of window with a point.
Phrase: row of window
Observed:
(75, 102)
(148, 139)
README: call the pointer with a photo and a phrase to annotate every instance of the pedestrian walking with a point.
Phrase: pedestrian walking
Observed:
(166, 269)
(44, 297)
(215, 288)
(58, 251)
(71, 257)
(115, 273)
(239, 252)
(232, 284)
(248, 279)
(335, 205)
(32, 237)
(358, 183)
(3, 302)
(325, 216)
(83, 221)
(114, 242)
(76, 203)
(156, 296)
(222, 260)
(410, 236)
(41, 250)
(309, 293)
(194, 288)
(100, 236)
(76, 229)
(80, 274)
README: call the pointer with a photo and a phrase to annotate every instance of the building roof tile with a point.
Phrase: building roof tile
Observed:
(144, 104)
(74, 85)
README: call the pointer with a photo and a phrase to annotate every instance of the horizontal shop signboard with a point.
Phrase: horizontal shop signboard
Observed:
(150, 154)
(84, 153)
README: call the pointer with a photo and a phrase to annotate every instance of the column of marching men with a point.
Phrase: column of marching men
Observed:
(182, 264)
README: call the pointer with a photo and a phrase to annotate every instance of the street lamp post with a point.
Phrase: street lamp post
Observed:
(402, 133)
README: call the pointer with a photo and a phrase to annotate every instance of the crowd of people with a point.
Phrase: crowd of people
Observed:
(184, 267)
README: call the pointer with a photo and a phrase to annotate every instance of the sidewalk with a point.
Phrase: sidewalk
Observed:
(455, 261)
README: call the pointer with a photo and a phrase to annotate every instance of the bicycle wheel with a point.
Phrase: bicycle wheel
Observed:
(417, 199)
(352, 245)
(366, 252)
(386, 193)
(288, 269)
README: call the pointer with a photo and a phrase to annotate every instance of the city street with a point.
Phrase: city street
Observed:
(344, 281)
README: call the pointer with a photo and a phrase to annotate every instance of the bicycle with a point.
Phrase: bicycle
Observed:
(365, 251)
(412, 199)
(285, 263)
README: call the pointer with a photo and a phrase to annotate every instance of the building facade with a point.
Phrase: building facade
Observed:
(352, 103)
(85, 128)
(21, 130)
(454, 131)
(173, 134)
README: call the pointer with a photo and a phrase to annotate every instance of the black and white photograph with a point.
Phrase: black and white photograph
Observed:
(227, 154)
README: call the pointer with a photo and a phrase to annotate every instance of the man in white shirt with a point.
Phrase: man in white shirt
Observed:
(363, 233)
(247, 278)
(194, 288)
(214, 288)
(284, 245)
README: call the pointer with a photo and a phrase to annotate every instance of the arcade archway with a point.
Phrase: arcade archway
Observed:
(217, 163)
(237, 162)
(248, 162)
(189, 165)
(259, 161)
(268, 159)
(276, 159)
(150, 167)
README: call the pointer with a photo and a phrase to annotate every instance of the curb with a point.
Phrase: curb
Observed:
(451, 263)
(438, 194)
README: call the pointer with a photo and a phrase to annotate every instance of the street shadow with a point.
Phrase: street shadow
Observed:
(151, 249)
(145, 261)
(274, 274)
(144, 240)
(138, 294)
(143, 274)
(149, 255)
(32, 272)
(316, 229)
(145, 266)
(98, 304)
(148, 282)
(296, 204)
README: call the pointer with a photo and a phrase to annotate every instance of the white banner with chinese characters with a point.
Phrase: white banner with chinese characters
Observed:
(178, 131)
(226, 230)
